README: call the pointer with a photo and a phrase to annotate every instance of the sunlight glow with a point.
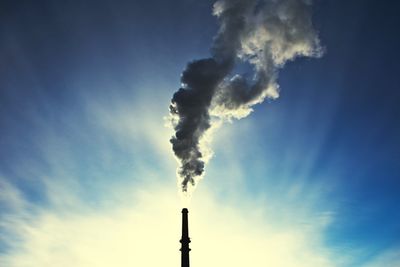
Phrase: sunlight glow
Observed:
(144, 231)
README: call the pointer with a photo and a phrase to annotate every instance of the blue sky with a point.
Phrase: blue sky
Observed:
(309, 179)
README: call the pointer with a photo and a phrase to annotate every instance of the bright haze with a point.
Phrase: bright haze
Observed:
(87, 173)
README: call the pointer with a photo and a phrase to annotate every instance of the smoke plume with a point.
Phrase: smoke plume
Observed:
(264, 33)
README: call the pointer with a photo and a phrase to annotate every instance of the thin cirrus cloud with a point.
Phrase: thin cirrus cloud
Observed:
(135, 220)
(143, 229)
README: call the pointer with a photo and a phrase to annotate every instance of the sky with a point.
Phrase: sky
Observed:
(88, 176)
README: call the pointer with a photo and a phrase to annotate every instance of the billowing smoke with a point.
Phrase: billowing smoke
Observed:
(263, 33)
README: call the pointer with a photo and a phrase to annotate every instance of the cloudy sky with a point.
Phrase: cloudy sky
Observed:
(88, 176)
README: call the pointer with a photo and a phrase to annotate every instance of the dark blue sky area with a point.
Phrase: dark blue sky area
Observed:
(347, 102)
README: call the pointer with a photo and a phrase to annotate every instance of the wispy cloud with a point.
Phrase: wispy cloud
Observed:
(391, 257)
(109, 198)
(143, 229)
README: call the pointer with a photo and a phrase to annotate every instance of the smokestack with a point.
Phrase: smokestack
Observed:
(185, 240)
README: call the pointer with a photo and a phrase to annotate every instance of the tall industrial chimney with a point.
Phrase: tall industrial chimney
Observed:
(185, 240)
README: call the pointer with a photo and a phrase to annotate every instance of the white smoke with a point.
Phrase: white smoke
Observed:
(263, 33)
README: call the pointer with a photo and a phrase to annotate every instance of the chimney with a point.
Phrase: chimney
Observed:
(185, 240)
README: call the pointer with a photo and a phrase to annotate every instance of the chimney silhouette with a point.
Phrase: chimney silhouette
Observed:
(185, 240)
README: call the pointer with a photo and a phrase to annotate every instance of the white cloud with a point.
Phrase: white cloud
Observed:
(134, 121)
(391, 258)
(10, 197)
(143, 229)
(138, 224)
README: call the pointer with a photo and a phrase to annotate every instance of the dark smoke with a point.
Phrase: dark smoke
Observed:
(265, 34)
